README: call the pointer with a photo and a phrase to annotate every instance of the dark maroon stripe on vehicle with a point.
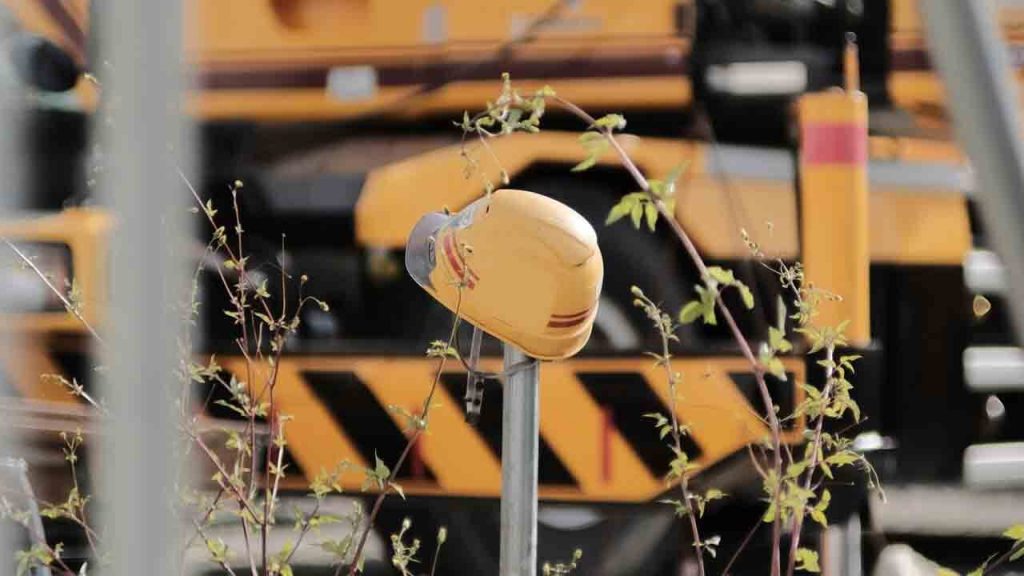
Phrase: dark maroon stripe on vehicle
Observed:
(316, 76)
(66, 22)
(918, 59)
(906, 60)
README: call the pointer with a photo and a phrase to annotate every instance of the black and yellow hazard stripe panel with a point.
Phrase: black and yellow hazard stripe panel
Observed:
(595, 444)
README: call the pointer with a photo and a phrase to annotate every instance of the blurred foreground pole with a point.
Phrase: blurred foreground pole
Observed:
(141, 129)
(12, 198)
(968, 50)
(520, 435)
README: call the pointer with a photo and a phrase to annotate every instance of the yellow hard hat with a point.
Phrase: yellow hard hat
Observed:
(528, 269)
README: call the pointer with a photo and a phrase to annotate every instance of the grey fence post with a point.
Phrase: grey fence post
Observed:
(12, 201)
(520, 432)
(141, 125)
(983, 98)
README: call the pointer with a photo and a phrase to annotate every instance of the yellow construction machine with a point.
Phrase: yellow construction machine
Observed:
(337, 115)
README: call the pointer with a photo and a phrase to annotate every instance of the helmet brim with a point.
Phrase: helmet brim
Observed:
(419, 250)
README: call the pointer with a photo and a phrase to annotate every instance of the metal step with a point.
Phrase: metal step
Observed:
(984, 273)
(952, 510)
(994, 466)
(994, 368)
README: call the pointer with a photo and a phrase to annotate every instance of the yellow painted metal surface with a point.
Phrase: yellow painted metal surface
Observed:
(297, 60)
(297, 104)
(932, 226)
(230, 27)
(834, 206)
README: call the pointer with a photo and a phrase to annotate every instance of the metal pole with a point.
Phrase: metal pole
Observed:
(12, 201)
(966, 45)
(141, 129)
(520, 435)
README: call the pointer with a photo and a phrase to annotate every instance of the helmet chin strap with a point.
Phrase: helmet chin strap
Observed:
(474, 380)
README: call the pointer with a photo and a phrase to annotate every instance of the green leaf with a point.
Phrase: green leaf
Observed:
(776, 368)
(618, 212)
(721, 275)
(1015, 532)
(777, 340)
(807, 560)
(611, 121)
(586, 164)
(674, 175)
(796, 469)
(651, 212)
(1017, 555)
(691, 312)
(380, 469)
(747, 295)
(819, 517)
(844, 458)
(636, 214)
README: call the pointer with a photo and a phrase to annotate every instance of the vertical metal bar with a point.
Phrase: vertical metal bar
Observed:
(967, 47)
(141, 140)
(520, 433)
(12, 199)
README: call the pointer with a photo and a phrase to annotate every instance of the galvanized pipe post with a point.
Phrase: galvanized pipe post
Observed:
(13, 199)
(142, 132)
(520, 433)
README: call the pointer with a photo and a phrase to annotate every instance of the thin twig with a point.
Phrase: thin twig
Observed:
(741, 340)
(798, 519)
(743, 546)
(990, 569)
(63, 299)
(230, 486)
(442, 361)
(223, 563)
(248, 544)
(206, 516)
(684, 482)
(306, 527)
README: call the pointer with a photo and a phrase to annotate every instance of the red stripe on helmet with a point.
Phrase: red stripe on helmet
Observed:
(466, 275)
(566, 323)
(571, 316)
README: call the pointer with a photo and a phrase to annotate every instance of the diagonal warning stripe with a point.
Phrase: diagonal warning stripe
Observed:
(588, 425)
(720, 418)
(579, 432)
(460, 459)
(315, 440)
